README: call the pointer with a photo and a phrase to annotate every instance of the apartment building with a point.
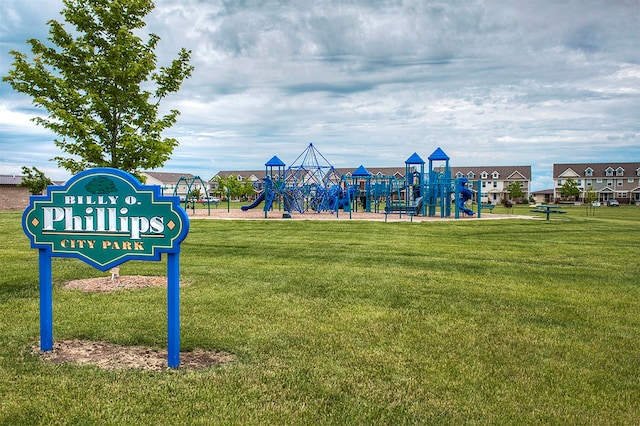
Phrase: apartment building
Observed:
(619, 181)
(496, 180)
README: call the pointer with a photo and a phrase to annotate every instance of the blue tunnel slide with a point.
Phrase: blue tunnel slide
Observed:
(465, 195)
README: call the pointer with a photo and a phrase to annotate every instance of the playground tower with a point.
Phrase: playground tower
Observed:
(439, 184)
(414, 181)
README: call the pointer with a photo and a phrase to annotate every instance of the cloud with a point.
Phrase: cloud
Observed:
(371, 82)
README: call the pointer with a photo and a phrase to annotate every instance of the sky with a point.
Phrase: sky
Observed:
(370, 82)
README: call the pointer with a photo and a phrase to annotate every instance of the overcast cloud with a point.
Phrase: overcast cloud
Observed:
(370, 82)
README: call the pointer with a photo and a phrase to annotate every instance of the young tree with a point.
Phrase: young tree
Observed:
(569, 189)
(590, 196)
(93, 81)
(233, 185)
(34, 180)
(515, 191)
(247, 190)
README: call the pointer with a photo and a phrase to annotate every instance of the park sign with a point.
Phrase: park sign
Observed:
(105, 217)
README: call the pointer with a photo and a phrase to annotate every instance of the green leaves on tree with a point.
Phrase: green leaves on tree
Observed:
(100, 86)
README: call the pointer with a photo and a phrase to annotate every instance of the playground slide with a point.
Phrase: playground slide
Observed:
(465, 195)
(255, 204)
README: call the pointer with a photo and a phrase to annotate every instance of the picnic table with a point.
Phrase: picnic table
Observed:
(548, 210)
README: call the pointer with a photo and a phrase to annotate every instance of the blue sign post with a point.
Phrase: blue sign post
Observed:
(105, 217)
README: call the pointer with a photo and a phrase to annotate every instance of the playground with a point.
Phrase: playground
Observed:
(312, 186)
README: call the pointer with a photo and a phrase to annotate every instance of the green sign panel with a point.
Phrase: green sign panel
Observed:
(105, 217)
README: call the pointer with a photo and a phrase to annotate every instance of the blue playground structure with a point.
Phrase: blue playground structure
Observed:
(310, 184)
(313, 184)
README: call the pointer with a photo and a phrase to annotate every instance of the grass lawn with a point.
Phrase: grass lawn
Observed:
(348, 322)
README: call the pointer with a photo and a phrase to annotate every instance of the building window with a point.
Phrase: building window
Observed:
(598, 180)
(589, 182)
(619, 171)
(559, 182)
(471, 175)
(630, 180)
(484, 184)
(609, 182)
(588, 172)
(620, 181)
(484, 175)
(495, 184)
(608, 172)
(495, 175)
(459, 175)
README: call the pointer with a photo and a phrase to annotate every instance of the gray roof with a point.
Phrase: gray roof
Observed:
(169, 177)
(630, 169)
(10, 179)
(505, 172)
(543, 192)
(243, 173)
(375, 171)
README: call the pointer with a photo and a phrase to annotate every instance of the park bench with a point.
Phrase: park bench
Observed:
(192, 203)
(487, 206)
(215, 203)
(402, 207)
(548, 210)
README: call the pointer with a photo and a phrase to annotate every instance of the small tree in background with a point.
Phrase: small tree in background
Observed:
(94, 80)
(232, 187)
(590, 196)
(247, 190)
(34, 180)
(570, 189)
(516, 194)
(195, 194)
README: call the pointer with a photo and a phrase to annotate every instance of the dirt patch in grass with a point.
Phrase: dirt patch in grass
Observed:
(114, 357)
(123, 282)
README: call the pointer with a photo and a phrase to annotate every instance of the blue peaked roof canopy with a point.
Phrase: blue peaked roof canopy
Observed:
(414, 159)
(439, 155)
(274, 162)
(361, 171)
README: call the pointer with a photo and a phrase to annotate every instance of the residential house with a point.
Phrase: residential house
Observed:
(619, 181)
(176, 183)
(12, 196)
(544, 196)
(496, 180)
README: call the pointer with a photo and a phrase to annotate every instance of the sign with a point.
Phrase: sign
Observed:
(106, 217)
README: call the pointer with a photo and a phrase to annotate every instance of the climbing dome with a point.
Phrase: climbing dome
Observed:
(311, 183)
